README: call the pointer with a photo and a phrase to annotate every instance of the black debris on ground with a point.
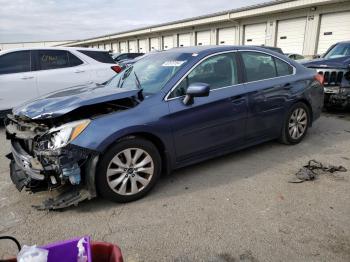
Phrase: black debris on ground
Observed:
(313, 169)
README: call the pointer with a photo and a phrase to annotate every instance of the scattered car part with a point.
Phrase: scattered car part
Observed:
(309, 171)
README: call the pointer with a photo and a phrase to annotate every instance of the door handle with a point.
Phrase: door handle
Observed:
(237, 100)
(79, 71)
(27, 77)
(287, 86)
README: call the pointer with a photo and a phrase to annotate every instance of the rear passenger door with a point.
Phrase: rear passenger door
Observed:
(268, 81)
(59, 69)
(17, 79)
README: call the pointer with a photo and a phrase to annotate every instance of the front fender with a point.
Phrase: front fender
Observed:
(106, 130)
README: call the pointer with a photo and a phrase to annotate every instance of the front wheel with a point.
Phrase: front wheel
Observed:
(128, 170)
(296, 124)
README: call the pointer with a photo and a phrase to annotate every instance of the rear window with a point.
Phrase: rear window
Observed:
(283, 69)
(103, 57)
(53, 59)
(16, 62)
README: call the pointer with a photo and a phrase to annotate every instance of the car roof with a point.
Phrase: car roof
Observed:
(52, 48)
(344, 42)
(217, 48)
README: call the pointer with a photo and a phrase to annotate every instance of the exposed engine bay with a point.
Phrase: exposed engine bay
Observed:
(43, 159)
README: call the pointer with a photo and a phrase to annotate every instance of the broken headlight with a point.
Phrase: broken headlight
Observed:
(63, 135)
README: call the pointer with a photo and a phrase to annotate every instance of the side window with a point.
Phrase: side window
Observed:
(258, 66)
(217, 71)
(73, 60)
(283, 69)
(122, 57)
(15, 62)
(53, 59)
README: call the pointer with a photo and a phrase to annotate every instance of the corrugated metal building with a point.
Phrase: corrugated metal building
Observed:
(307, 27)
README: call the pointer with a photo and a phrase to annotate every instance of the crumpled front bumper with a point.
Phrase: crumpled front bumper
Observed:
(29, 165)
(27, 172)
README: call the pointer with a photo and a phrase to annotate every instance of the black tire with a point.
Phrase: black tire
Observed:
(286, 137)
(102, 184)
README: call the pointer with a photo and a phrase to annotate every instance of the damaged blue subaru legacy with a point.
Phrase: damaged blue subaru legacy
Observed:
(168, 110)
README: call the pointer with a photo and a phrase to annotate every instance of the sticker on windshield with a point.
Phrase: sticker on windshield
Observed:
(173, 63)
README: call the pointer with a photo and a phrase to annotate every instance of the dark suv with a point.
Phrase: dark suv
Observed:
(334, 65)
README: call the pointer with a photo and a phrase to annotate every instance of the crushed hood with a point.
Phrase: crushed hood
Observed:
(339, 62)
(64, 101)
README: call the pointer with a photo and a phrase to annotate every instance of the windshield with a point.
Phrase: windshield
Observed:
(339, 50)
(152, 72)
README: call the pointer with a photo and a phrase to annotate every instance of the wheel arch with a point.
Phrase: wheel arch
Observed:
(159, 144)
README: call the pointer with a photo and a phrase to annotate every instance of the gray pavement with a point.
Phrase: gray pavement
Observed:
(234, 208)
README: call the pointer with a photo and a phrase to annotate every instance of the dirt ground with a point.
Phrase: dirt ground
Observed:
(234, 208)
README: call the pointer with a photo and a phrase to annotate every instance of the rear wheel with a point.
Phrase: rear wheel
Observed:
(296, 124)
(128, 170)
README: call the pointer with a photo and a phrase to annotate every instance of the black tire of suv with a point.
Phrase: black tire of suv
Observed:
(103, 188)
(285, 137)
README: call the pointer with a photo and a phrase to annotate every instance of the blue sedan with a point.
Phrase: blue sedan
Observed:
(168, 110)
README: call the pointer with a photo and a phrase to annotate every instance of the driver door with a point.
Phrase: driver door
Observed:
(214, 123)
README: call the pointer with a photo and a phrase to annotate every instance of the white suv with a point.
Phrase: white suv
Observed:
(28, 73)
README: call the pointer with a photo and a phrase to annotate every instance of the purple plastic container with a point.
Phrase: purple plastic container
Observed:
(67, 250)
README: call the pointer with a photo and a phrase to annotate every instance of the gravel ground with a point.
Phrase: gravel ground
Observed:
(235, 208)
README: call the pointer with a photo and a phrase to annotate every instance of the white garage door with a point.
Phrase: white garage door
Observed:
(168, 42)
(255, 34)
(154, 43)
(133, 46)
(227, 36)
(203, 38)
(291, 34)
(143, 46)
(115, 47)
(184, 40)
(334, 28)
(122, 47)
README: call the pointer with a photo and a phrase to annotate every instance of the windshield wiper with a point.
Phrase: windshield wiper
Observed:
(137, 81)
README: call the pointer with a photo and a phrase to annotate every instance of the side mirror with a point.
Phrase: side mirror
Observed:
(316, 56)
(196, 90)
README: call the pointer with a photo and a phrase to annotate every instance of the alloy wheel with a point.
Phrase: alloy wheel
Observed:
(130, 171)
(298, 122)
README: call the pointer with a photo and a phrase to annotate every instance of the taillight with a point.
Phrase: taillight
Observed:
(319, 78)
(117, 69)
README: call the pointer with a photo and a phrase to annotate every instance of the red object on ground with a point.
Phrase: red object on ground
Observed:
(105, 252)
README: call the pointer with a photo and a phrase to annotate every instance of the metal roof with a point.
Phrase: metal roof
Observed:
(246, 8)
